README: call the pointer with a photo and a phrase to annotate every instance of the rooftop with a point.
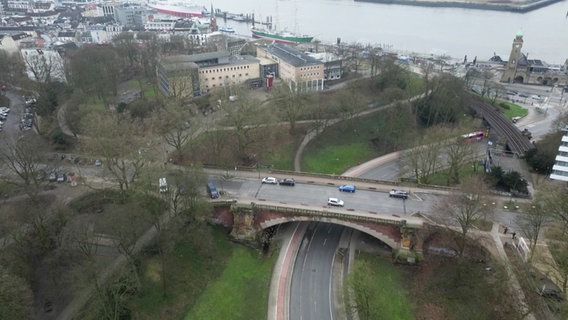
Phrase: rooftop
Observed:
(291, 55)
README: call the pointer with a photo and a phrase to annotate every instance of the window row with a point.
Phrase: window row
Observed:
(225, 69)
(560, 173)
(562, 163)
(306, 75)
(227, 77)
(309, 68)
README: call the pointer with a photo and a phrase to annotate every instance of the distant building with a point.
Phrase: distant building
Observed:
(131, 15)
(521, 69)
(299, 70)
(560, 168)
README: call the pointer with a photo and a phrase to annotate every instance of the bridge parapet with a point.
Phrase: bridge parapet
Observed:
(348, 215)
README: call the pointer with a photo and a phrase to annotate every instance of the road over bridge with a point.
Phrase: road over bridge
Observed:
(248, 221)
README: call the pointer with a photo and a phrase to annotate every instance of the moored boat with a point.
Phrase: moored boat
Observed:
(227, 29)
(283, 37)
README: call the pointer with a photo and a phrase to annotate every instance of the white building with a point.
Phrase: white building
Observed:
(560, 168)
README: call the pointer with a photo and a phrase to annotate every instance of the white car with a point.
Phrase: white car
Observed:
(335, 202)
(270, 180)
(398, 194)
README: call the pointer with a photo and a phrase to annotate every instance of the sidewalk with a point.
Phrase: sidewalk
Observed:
(497, 238)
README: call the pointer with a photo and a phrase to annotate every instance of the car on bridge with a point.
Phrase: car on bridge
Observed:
(398, 194)
(270, 180)
(335, 202)
(287, 182)
(347, 188)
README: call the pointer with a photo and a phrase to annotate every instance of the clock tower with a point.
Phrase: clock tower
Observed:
(510, 72)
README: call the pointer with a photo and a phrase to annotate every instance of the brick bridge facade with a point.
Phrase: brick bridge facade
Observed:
(248, 221)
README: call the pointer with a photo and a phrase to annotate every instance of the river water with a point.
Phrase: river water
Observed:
(407, 29)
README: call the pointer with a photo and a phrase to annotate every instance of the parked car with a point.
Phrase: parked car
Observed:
(335, 202)
(212, 190)
(52, 176)
(270, 180)
(287, 182)
(98, 163)
(398, 194)
(347, 188)
(61, 177)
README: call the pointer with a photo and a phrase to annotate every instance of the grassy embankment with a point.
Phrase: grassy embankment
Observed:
(209, 278)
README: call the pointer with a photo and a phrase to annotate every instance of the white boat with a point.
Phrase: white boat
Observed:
(227, 29)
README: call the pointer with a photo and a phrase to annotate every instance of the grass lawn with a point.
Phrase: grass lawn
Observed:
(441, 178)
(337, 159)
(387, 292)
(344, 145)
(241, 292)
(513, 110)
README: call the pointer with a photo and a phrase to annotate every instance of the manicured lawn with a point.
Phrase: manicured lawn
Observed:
(513, 110)
(336, 159)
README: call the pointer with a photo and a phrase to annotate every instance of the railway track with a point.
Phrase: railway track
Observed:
(516, 141)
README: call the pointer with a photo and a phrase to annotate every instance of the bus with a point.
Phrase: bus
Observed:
(474, 136)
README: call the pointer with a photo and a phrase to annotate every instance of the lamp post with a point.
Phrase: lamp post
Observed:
(404, 205)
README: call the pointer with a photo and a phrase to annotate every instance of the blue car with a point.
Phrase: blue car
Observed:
(347, 188)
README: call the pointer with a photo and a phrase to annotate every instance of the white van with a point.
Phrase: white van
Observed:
(163, 185)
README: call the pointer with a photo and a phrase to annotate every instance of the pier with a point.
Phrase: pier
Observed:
(242, 17)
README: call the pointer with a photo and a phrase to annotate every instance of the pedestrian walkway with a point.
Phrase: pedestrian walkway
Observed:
(496, 235)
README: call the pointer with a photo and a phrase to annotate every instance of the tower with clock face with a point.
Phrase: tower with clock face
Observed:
(510, 72)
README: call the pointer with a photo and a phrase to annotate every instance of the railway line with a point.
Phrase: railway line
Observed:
(516, 141)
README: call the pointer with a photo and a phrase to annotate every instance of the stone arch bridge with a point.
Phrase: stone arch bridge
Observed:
(248, 220)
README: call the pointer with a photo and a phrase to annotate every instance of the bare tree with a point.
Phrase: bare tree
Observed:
(24, 157)
(463, 208)
(531, 224)
(174, 124)
(46, 66)
(422, 160)
(458, 154)
(291, 102)
(246, 118)
(119, 141)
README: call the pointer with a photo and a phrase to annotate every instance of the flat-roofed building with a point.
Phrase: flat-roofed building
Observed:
(178, 76)
(299, 70)
(182, 74)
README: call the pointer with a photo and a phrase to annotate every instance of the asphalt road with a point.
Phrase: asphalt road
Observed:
(311, 284)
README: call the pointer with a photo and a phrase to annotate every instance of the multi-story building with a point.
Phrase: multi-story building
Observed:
(183, 75)
(560, 168)
(521, 69)
(299, 70)
(131, 15)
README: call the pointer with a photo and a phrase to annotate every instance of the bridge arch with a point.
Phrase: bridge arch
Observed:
(390, 236)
